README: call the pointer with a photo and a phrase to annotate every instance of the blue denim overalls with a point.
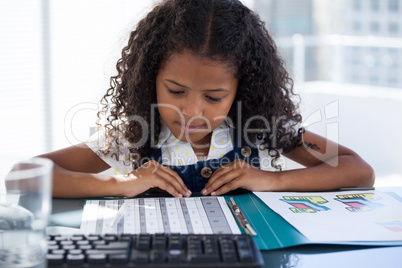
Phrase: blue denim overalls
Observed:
(196, 176)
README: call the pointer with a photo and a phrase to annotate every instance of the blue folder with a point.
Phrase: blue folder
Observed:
(274, 232)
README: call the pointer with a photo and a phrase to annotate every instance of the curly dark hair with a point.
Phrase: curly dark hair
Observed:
(223, 30)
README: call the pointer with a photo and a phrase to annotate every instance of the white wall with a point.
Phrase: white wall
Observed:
(368, 121)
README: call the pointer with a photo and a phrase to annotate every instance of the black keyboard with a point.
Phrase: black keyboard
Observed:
(153, 250)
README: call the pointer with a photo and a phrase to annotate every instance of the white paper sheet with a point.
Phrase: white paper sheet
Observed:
(196, 215)
(340, 216)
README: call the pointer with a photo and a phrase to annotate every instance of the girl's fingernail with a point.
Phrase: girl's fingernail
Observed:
(180, 195)
(204, 191)
(188, 192)
(213, 193)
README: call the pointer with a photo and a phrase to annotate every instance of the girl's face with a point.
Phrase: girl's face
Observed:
(194, 95)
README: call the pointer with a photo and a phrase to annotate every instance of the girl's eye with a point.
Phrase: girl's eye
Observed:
(175, 92)
(179, 92)
(213, 99)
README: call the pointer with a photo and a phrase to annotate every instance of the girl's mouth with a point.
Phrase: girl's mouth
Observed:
(190, 128)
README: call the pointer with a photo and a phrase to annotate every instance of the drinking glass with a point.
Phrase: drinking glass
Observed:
(24, 212)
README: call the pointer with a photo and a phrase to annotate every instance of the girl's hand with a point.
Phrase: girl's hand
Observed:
(238, 174)
(154, 175)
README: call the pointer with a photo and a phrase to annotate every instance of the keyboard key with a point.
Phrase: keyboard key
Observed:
(175, 252)
(77, 237)
(99, 242)
(51, 243)
(96, 258)
(245, 255)
(75, 258)
(85, 247)
(242, 242)
(228, 250)
(158, 256)
(75, 251)
(60, 238)
(175, 258)
(68, 247)
(229, 257)
(118, 258)
(144, 242)
(106, 251)
(175, 241)
(110, 237)
(82, 242)
(210, 246)
(194, 245)
(66, 243)
(59, 251)
(140, 257)
(53, 247)
(93, 237)
(175, 255)
(159, 241)
(125, 237)
(203, 258)
(114, 245)
(55, 258)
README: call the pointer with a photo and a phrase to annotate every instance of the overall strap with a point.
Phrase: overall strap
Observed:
(195, 176)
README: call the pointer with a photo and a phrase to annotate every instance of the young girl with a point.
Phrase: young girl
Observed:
(202, 103)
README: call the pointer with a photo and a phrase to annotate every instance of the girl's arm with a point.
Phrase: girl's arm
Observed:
(75, 176)
(75, 173)
(329, 166)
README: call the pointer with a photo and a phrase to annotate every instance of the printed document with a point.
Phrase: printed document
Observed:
(340, 216)
(195, 215)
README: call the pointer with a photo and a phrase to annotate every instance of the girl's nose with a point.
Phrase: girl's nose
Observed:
(192, 107)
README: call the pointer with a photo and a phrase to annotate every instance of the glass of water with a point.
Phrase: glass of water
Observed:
(24, 212)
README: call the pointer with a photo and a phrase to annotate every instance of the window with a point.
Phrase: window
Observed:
(393, 29)
(374, 27)
(393, 5)
(368, 69)
(387, 61)
(357, 27)
(22, 104)
(355, 78)
(74, 49)
(393, 52)
(374, 79)
(393, 81)
(357, 5)
(375, 5)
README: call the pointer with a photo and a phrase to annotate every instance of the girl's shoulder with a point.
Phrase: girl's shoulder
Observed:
(115, 153)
